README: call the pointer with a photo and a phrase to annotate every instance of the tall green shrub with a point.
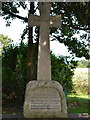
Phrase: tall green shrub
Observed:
(14, 62)
(14, 69)
(62, 71)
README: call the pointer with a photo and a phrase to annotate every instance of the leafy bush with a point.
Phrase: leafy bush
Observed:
(62, 71)
(80, 80)
(14, 62)
(14, 69)
(83, 64)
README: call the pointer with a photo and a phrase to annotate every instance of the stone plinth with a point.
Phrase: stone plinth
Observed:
(44, 99)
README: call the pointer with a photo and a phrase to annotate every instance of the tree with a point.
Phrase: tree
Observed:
(83, 64)
(62, 71)
(4, 41)
(72, 22)
(14, 73)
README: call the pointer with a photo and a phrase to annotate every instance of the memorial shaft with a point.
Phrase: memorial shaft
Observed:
(44, 98)
(44, 62)
(44, 21)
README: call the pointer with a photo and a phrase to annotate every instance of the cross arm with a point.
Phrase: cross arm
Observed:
(33, 20)
(53, 21)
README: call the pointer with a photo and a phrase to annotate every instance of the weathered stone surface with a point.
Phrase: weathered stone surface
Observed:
(44, 21)
(44, 99)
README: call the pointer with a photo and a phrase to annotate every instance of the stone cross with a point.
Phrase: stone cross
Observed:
(44, 21)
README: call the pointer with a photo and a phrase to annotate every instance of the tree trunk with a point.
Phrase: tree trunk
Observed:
(35, 61)
(30, 48)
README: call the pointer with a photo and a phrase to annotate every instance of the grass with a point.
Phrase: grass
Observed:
(78, 104)
(9, 110)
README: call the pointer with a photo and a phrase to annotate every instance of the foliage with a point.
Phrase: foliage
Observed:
(72, 23)
(61, 71)
(83, 64)
(4, 41)
(14, 73)
(80, 81)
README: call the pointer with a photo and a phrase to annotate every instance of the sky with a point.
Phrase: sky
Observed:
(16, 29)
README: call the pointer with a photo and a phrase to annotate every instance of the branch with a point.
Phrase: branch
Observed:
(75, 27)
(26, 19)
(14, 15)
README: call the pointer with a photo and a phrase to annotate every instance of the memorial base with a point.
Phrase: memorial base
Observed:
(44, 99)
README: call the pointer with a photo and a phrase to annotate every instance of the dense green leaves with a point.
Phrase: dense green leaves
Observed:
(62, 71)
(73, 13)
(81, 81)
(14, 62)
(83, 64)
(5, 40)
(14, 73)
(75, 20)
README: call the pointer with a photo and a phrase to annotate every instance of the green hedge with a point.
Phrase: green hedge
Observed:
(14, 72)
